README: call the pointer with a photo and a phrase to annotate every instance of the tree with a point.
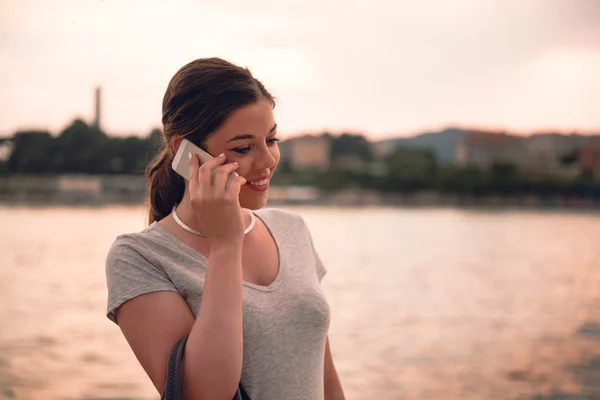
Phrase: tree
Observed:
(570, 157)
(31, 152)
(506, 179)
(410, 170)
(462, 180)
(135, 153)
(78, 149)
(351, 145)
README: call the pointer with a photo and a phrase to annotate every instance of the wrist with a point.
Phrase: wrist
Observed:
(229, 247)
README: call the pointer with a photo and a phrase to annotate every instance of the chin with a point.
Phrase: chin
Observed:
(254, 202)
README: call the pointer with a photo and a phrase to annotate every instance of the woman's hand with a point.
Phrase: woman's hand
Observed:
(215, 200)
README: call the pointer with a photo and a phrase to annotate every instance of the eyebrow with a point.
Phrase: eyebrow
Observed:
(246, 136)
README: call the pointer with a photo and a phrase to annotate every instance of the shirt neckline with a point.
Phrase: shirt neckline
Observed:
(195, 254)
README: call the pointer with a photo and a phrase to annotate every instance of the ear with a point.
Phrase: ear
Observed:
(175, 143)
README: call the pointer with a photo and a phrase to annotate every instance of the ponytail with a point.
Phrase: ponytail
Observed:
(165, 186)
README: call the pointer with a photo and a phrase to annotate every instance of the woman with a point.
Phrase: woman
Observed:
(246, 294)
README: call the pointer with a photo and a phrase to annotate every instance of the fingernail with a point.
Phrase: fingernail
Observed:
(221, 155)
(235, 162)
(190, 156)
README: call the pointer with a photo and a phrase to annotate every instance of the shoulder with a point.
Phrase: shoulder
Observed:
(128, 243)
(134, 258)
(136, 247)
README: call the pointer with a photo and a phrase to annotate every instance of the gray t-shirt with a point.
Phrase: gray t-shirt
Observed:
(285, 323)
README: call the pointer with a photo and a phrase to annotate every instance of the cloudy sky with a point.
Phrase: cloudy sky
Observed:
(384, 68)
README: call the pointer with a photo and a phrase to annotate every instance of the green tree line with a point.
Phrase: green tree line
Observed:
(84, 149)
(410, 170)
(79, 149)
(500, 179)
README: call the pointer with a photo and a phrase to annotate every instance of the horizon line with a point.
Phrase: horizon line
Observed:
(354, 131)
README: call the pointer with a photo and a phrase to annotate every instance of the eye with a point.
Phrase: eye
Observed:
(242, 150)
(246, 149)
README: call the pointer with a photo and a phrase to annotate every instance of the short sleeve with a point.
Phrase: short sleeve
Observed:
(321, 270)
(129, 274)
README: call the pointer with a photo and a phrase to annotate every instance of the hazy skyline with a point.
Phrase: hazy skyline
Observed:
(376, 67)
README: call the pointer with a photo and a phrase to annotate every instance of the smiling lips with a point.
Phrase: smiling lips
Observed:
(259, 185)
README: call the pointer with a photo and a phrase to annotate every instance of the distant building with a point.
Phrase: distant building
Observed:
(547, 154)
(79, 184)
(5, 150)
(383, 148)
(309, 152)
(350, 162)
(485, 149)
(589, 157)
(546, 151)
(72, 189)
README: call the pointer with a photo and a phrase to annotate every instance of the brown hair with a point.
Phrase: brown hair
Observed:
(198, 99)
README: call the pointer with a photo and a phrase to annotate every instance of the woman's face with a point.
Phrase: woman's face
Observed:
(248, 137)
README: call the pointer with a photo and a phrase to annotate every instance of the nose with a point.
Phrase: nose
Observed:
(265, 159)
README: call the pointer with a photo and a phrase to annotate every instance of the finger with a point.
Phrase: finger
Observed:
(230, 177)
(236, 185)
(198, 177)
(194, 162)
(240, 181)
(212, 164)
(224, 173)
(194, 165)
(234, 175)
(204, 179)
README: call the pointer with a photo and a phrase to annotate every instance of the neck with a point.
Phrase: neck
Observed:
(187, 215)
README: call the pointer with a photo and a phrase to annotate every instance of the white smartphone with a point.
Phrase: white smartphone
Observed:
(181, 162)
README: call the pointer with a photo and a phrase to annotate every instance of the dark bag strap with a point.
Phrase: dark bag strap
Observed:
(172, 389)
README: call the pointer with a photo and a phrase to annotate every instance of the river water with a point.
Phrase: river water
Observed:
(426, 303)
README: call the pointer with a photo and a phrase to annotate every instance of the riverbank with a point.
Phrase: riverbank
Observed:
(98, 190)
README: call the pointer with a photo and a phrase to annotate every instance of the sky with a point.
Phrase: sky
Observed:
(378, 67)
